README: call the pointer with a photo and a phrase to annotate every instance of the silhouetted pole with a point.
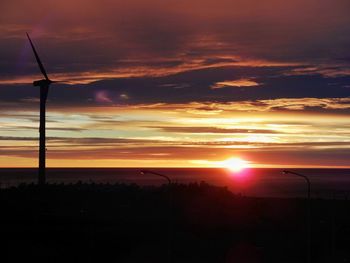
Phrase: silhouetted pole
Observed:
(42, 138)
(308, 234)
(170, 209)
(333, 229)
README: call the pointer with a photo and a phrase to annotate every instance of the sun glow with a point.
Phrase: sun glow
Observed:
(235, 164)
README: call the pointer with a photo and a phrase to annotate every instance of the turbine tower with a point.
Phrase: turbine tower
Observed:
(44, 85)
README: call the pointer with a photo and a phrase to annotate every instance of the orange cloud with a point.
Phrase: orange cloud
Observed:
(235, 83)
(134, 68)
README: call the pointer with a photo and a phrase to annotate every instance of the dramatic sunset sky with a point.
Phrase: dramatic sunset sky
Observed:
(177, 83)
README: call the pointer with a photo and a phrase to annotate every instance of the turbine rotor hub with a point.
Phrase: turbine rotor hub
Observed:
(42, 82)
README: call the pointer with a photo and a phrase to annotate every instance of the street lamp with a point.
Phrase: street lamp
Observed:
(170, 228)
(155, 173)
(303, 176)
(308, 234)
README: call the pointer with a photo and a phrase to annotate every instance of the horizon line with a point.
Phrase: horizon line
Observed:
(184, 167)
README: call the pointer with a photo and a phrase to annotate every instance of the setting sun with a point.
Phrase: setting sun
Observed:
(235, 164)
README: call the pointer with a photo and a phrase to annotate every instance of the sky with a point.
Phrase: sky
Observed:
(154, 83)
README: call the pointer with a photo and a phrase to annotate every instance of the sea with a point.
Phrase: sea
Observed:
(259, 182)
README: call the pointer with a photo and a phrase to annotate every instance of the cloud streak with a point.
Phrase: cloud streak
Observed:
(235, 83)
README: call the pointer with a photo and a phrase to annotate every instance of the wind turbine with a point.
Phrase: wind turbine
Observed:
(44, 85)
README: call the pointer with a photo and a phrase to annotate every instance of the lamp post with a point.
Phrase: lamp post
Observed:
(308, 234)
(170, 208)
(155, 173)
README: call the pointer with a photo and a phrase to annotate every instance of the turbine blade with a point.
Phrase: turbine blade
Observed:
(60, 81)
(42, 69)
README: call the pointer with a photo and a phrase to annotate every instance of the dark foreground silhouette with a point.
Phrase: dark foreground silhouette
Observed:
(180, 223)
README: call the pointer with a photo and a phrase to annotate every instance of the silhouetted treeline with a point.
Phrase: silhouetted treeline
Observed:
(87, 222)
